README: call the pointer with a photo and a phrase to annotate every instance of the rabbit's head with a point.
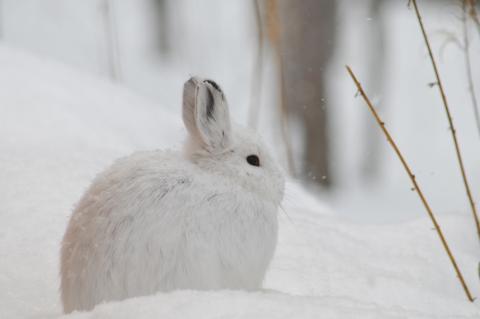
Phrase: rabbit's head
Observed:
(237, 155)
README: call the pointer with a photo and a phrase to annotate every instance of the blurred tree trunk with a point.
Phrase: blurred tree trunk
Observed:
(1, 19)
(110, 26)
(162, 36)
(307, 31)
(375, 42)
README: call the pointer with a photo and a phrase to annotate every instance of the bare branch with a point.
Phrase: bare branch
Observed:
(416, 187)
(449, 117)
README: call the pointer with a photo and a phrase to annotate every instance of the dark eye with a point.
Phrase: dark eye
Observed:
(253, 160)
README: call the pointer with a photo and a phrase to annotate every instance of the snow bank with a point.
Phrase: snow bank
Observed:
(59, 127)
(228, 304)
(325, 269)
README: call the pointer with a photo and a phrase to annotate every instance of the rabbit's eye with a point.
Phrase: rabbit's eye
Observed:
(253, 160)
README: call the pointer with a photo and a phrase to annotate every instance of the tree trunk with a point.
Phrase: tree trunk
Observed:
(376, 64)
(307, 30)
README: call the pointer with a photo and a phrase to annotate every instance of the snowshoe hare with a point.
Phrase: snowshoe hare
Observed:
(204, 218)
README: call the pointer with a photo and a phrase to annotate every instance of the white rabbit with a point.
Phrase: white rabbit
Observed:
(205, 218)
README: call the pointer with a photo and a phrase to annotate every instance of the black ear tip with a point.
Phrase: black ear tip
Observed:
(194, 81)
(214, 84)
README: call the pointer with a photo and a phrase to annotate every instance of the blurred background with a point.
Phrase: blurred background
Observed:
(281, 64)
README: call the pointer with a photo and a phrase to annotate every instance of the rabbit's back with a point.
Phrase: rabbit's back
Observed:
(156, 222)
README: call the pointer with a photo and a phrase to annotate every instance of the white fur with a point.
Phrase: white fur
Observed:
(163, 220)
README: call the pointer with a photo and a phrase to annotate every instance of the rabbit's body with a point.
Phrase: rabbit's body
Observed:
(164, 220)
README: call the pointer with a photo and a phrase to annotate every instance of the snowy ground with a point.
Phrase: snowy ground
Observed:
(59, 127)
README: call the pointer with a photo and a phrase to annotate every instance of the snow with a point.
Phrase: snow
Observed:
(59, 127)
(231, 304)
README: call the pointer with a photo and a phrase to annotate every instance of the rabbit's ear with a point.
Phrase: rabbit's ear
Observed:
(205, 114)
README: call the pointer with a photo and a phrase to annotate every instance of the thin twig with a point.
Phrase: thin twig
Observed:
(414, 181)
(468, 64)
(257, 71)
(449, 117)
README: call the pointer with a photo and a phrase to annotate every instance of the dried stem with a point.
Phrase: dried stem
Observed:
(415, 184)
(257, 72)
(449, 117)
(468, 64)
